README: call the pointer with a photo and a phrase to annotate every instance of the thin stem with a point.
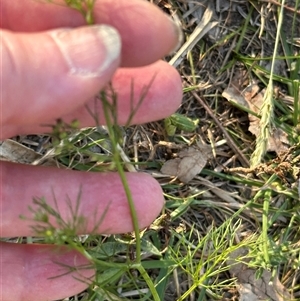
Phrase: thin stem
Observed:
(265, 226)
(149, 282)
(121, 172)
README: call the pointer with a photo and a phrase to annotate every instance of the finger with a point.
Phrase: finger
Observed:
(146, 33)
(55, 71)
(159, 83)
(41, 272)
(100, 199)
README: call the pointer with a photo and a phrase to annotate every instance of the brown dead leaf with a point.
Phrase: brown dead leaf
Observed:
(13, 151)
(252, 98)
(189, 163)
(252, 289)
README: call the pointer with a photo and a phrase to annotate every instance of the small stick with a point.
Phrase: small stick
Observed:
(242, 157)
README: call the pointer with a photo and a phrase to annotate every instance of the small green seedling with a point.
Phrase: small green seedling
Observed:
(181, 122)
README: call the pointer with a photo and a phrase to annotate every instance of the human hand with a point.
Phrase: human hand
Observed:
(50, 72)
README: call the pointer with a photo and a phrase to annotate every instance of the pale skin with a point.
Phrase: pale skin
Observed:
(37, 88)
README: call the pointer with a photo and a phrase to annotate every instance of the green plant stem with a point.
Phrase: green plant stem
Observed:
(133, 213)
(265, 226)
(267, 195)
(121, 172)
(149, 282)
(296, 91)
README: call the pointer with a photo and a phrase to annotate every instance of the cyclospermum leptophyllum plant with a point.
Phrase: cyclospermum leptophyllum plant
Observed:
(43, 214)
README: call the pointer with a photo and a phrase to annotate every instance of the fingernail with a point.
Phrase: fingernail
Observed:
(89, 50)
(178, 31)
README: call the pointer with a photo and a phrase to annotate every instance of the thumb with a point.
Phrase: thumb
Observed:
(46, 75)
